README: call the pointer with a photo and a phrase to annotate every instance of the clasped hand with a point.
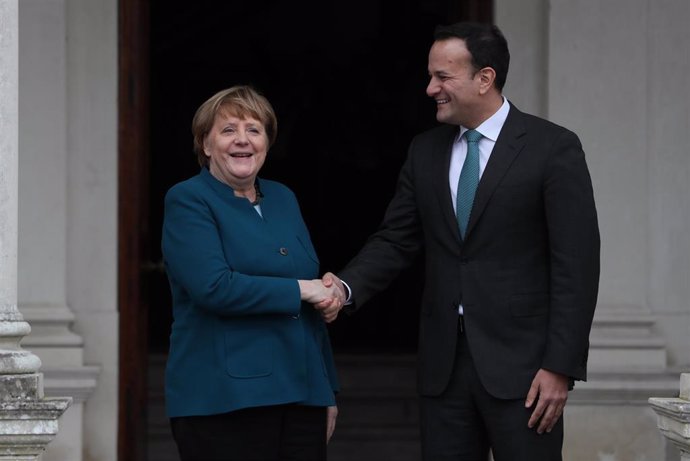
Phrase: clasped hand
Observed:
(326, 294)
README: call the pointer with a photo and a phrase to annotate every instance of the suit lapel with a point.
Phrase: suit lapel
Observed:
(510, 142)
(444, 150)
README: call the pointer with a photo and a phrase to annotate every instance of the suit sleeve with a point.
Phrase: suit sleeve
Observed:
(574, 247)
(195, 262)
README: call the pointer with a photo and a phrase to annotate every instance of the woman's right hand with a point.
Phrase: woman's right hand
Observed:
(331, 416)
(327, 299)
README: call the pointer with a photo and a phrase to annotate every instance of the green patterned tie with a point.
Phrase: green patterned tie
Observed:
(469, 178)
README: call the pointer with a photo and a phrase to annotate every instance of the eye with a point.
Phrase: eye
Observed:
(254, 129)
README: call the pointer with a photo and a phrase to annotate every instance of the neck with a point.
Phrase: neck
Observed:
(251, 193)
(489, 108)
(246, 188)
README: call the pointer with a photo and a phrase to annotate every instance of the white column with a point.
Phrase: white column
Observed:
(525, 26)
(668, 147)
(28, 420)
(42, 259)
(12, 325)
(92, 208)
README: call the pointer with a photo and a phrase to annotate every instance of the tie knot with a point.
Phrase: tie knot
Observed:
(473, 136)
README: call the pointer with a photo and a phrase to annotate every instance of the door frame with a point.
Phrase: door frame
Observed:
(133, 206)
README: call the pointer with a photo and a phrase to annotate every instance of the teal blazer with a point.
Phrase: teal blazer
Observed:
(241, 337)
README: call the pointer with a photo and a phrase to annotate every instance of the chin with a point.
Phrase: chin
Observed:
(442, 118)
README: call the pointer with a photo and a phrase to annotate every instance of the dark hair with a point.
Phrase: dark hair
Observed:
(240, 100)
(486, 44)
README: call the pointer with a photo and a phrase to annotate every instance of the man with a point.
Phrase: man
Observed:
(511, 264)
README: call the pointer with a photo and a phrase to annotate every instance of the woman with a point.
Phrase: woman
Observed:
(250, 373)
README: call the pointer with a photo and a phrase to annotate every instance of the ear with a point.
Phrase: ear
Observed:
(487, 77)
(207, 151)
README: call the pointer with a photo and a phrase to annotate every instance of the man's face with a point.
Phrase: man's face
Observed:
(454, 84)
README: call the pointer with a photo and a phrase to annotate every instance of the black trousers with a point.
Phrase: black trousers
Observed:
(272, 433)
(466, 422)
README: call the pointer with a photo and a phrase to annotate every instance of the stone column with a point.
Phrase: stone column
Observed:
(673, 417)
(43, 264)
(28, 421)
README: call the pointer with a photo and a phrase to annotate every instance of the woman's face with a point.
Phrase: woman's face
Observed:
(236, 149)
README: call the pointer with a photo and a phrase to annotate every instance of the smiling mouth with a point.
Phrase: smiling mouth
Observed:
(442, 101)
(241, 155)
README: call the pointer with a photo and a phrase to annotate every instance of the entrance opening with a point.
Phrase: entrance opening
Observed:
(347, 80)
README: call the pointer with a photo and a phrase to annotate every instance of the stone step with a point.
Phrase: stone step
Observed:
(377, 410)
(623, 339)
(623, 324)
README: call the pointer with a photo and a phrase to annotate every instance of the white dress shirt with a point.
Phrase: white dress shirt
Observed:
(489, 129)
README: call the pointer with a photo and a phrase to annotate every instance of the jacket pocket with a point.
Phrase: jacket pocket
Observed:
(248, 354)
(529, 304)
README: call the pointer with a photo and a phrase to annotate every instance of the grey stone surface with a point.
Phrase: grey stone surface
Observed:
(673, 417)
(28, 421)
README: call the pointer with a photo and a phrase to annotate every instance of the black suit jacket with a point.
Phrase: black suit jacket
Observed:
(527, 273)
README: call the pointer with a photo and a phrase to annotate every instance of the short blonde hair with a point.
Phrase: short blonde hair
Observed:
(241, 101)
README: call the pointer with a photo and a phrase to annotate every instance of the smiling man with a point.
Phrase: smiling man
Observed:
(501, 205)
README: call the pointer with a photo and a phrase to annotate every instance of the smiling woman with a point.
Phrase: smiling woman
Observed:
(247, 345)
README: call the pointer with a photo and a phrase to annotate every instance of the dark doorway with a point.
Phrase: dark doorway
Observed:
(347, 80)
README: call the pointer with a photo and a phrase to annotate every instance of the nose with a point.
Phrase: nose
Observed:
(432, 87)
(241, 137)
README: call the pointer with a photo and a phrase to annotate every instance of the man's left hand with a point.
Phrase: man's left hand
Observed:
(550, 391)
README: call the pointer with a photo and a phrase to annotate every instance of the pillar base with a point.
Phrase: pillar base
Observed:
(28, 422)
(673, 417)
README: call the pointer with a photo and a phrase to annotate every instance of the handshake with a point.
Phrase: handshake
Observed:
(326, 294)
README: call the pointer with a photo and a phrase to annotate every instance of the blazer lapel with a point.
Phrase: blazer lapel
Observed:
(510, 142)
(442, 186)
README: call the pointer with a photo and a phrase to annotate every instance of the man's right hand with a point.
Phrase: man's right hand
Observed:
(329, 310)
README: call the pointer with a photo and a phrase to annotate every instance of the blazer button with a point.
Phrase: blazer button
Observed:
(283, 251)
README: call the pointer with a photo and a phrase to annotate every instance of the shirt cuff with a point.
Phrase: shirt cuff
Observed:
(348, 294)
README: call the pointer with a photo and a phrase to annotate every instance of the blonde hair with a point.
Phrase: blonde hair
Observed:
(241, 101)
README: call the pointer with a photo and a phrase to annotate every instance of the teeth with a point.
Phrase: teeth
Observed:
(441, 101)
